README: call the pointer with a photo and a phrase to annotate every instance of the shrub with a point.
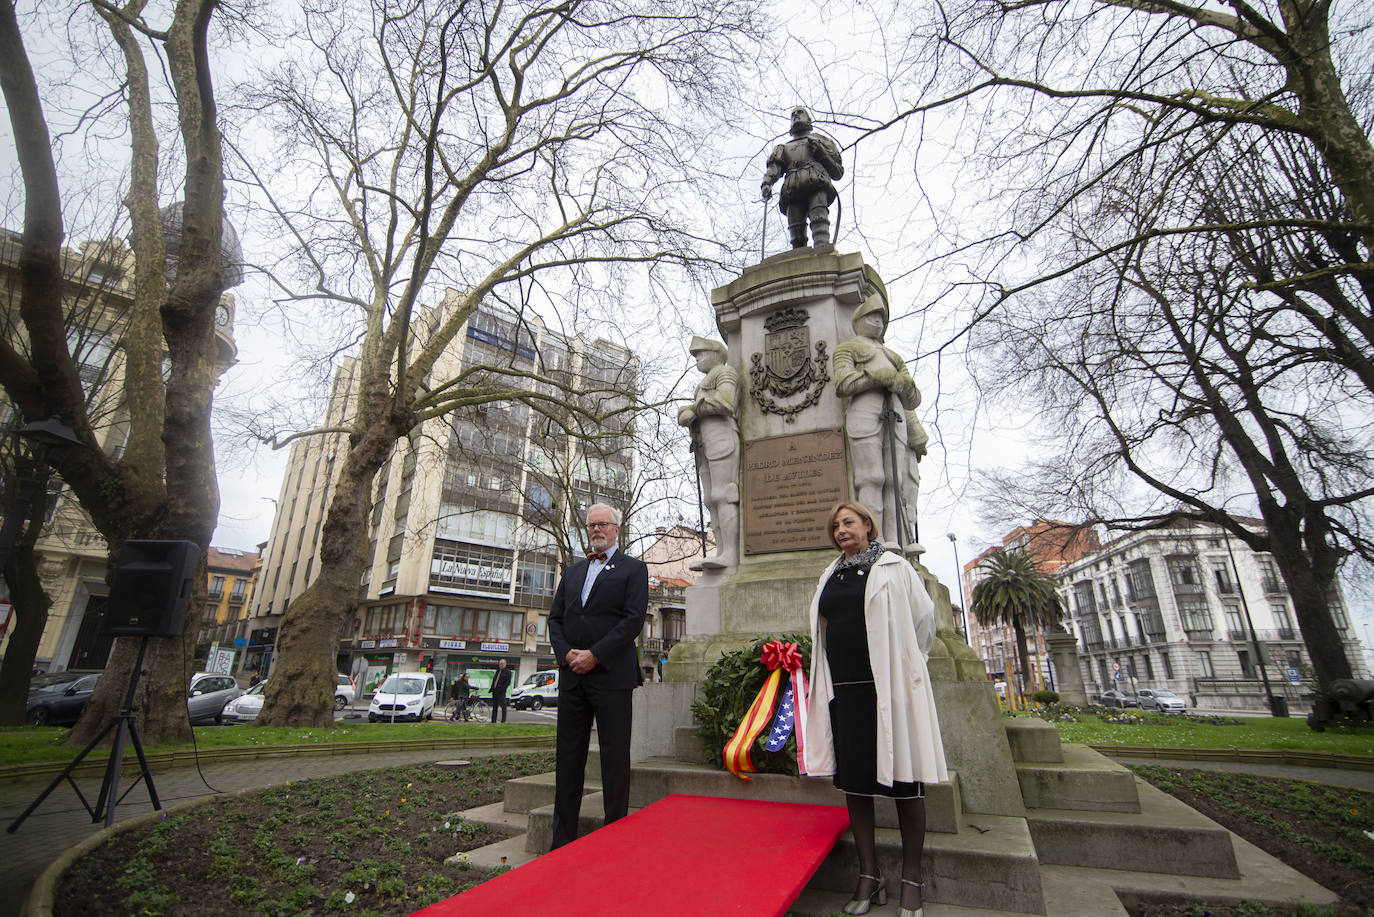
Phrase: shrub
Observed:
(1046, 697)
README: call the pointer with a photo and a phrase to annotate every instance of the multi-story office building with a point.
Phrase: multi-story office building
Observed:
(71, 554)
(1051, 545)
(1176, 608)
(474, 515)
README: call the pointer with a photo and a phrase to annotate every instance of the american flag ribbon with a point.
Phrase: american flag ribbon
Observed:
(783, 722)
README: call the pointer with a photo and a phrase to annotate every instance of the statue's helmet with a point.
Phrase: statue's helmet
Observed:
(875, 303)
(705, 345)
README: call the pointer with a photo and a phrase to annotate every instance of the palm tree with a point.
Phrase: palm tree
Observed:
(1014, 591)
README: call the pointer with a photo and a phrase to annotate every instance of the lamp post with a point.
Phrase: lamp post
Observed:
(43, 434)
(959, 575)
(1278, 706)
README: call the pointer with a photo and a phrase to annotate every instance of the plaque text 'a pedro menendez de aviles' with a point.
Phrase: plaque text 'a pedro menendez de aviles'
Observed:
(790, 484)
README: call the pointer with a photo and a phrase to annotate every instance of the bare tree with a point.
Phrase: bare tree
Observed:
(1181, 364)
(162, 486)
(501, 152)
(1178, 280)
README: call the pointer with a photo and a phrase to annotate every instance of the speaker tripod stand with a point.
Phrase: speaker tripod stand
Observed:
(124, 729)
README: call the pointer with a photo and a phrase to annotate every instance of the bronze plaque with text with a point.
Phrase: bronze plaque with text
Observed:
(790, 484)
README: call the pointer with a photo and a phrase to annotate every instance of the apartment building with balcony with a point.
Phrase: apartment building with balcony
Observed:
(473, 517)
(1192, 610)
(229, 586)
(1051, 544)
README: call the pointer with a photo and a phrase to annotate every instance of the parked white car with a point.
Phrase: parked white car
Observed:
(245, 708)
(404, 696)
(536, 691)
(1160, 700)
(344, 693)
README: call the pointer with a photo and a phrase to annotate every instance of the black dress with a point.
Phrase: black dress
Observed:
(854, 709)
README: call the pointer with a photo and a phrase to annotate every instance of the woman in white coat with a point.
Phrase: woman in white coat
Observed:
(872, 723)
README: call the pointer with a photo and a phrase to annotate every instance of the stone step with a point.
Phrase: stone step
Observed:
(1064, 896)
(655, 778)
(1165, 836)
(508, 853)
(1033, 740)
(496, 817)
(1082, 780)
(591, 816)
(525, 793)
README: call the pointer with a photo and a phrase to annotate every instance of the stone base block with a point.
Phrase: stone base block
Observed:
(1033, 739)
(1084, 780)
(1166, 836)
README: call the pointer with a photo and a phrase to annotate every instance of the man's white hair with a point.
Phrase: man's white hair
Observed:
(615, 513)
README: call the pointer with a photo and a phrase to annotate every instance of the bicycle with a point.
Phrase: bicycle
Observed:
(479, 708)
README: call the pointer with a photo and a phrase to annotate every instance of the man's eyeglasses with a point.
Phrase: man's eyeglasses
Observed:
(602, 525)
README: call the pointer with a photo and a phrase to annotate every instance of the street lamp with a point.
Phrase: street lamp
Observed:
(959, 575)
(1278, 706)
(42, 434)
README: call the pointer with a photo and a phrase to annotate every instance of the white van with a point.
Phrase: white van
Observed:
(538, 690)
(404, 696)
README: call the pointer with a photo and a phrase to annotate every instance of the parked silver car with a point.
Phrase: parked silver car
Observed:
(1160, 700)
(1117, 699)
(208, 694)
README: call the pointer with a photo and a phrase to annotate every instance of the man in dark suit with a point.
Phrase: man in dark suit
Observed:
(500, 683)
(598, 611)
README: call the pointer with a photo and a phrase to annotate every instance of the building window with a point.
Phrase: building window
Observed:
(1083, 597)
(1235, 624)
(1269, 574)
(1168, 665)
(1184, 574)
(1204, 665)
(536, 576)
(1152, 625)
(238, 590)
(1149, 667)
(1247, 668)
(1130, 667)
(216, 587)
(1282, 619)
(1197, 619)
(1140, 582)
(1221, 573)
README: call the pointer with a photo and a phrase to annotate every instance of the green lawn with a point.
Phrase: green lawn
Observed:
(1251, 732)
(30, 745)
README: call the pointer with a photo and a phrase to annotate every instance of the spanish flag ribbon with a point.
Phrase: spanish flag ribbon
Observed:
(778, 657)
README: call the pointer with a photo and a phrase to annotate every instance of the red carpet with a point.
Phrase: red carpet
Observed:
(683, 856)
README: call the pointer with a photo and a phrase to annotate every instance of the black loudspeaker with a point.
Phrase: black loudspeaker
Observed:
(151, 589)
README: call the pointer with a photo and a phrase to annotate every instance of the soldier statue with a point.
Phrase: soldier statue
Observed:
(806, 164)
(714, 422)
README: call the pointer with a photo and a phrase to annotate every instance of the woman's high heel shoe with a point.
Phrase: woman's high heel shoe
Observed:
(919, 909)
(878, 897)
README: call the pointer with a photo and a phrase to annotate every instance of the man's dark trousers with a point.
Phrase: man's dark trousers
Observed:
(578, 706)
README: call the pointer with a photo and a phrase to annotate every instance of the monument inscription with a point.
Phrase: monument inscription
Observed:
(790, 484)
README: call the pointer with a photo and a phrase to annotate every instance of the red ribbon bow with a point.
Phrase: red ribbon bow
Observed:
(779, 655)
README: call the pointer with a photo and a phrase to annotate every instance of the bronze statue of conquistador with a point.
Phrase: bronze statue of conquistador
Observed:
(807, 165)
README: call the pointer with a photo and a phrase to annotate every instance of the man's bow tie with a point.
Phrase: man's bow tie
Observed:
(597, 555)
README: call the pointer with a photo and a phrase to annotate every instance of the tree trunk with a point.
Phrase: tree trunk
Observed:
(1022, 654)
(31, 604)
(300, 691)
(1309, 578)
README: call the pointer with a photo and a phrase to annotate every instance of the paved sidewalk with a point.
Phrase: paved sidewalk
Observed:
(61, 822)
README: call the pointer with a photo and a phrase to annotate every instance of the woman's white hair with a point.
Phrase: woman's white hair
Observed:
(615, 513)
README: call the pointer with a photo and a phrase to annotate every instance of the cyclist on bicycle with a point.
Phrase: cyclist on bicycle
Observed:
(462, 691)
